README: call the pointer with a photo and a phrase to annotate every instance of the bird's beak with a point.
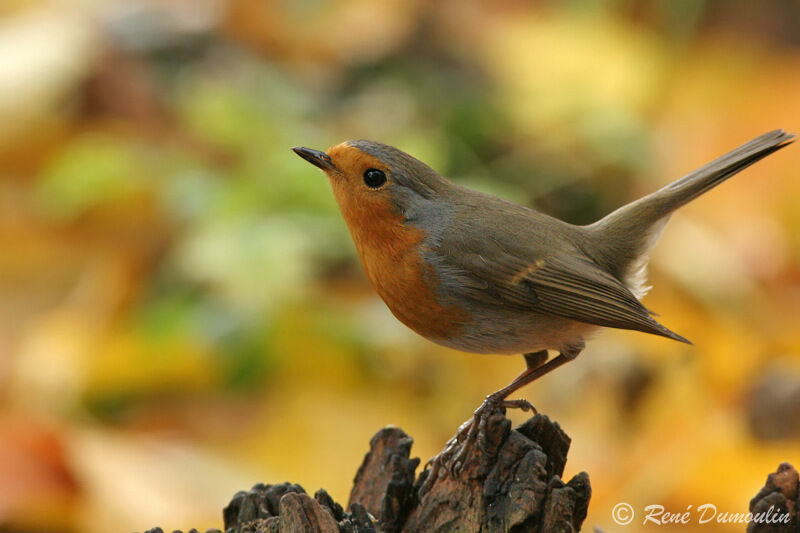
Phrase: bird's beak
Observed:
(316, 158)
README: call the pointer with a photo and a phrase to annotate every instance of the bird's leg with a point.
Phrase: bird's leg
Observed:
(468, 431)
(536, 369)
(535, 359)
(532, 373)
(457, 448)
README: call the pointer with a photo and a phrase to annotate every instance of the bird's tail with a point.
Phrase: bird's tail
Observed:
(624, 237)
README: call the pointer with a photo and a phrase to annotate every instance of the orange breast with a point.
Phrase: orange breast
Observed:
(392, 257)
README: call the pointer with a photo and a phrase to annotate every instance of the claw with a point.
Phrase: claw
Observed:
(452, 459)
(458, 460)
(445, 460)
(523, 405)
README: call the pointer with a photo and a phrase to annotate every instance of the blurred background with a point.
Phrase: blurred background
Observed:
(182, 313)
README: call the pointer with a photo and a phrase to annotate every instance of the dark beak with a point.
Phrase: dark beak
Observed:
(315, 157)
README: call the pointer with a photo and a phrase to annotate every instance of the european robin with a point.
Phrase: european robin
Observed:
(480, 274)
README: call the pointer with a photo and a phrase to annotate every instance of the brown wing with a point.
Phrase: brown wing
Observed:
(569, 285)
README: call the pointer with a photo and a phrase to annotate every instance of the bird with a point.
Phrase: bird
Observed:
(481, 274)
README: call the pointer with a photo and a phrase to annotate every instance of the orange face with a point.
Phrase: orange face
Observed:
(368, 211)
(390, 250)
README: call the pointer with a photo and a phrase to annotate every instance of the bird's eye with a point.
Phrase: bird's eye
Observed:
(374, 178)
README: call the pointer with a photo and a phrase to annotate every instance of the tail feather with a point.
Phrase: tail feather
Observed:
(625, 236)
(709, 176)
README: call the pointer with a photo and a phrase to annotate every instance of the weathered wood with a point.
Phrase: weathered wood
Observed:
(385, 479)
(510, 481)
(286, 508)
(779, 496)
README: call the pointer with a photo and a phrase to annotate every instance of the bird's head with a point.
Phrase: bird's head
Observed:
(375, 183)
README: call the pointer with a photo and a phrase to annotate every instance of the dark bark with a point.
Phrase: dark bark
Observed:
(384, 480)
(777, 500)
(510, 481)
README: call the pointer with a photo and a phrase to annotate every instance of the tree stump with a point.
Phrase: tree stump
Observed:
(510, 482)
(779, 498)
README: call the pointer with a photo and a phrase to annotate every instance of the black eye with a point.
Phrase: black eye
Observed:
(374, 178)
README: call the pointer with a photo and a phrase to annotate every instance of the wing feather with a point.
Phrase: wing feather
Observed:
(569, 285)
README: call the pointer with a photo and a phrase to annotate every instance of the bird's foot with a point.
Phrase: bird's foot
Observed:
(471, 433)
